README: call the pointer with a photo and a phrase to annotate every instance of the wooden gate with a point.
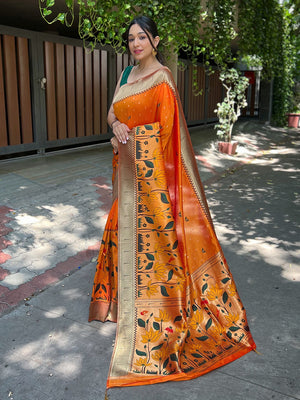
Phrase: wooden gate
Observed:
(53, 93)
(15, 92)
(76, 92)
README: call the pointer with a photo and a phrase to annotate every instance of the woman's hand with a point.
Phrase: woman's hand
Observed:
(121, 131)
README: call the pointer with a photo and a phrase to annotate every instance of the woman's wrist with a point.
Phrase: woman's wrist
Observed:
(112, 124)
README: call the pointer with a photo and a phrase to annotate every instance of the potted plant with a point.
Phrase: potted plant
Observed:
(229, 110)
(294, 115)
(293, 119)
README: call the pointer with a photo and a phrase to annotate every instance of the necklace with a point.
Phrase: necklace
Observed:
(142, 71)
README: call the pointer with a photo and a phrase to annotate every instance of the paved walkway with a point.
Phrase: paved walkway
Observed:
(52, 215)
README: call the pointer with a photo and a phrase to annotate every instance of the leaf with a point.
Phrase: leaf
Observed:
(170, 274)
(46, 12)
(149, 220)
(149, 173)
(103, 288)
(149, 163)
(194, 307)
(208, 324)
(141, 323)
(141, 353)
(165, 363)
(204, 287)
(149, 265)
(156, 326)
(202, 338)
(61, 17)
(164, 198)
(164, 291)
(225, 280)
(225, 297)
(173, 357)
(157, 347)
(175, 245)
(150, 256)
(148, 127)
(234, 328)
(196, 355)
(178, 318)
(169, 225)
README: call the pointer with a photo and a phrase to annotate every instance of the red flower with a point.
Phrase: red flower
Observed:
(144, 312)
(203, 302)
(169, 330)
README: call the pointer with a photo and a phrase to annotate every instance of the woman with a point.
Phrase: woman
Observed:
(161, 272)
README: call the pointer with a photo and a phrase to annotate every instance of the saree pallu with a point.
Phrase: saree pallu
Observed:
(179, 313)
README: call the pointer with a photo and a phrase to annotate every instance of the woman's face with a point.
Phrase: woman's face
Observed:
(139, 44)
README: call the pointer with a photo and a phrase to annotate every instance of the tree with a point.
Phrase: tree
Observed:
(229, 110)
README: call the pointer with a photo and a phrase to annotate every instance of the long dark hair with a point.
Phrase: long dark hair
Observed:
(148, 26)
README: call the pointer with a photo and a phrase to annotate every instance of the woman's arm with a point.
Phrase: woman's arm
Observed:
(119, 129)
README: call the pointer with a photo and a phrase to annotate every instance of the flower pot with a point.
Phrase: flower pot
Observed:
(227, 147)
(293, 120)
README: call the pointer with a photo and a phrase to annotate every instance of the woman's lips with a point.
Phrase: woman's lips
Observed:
(137, 51)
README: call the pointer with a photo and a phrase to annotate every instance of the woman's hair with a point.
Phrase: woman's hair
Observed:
(148, 26)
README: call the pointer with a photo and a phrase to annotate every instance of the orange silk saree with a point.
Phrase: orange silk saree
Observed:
(161, 272)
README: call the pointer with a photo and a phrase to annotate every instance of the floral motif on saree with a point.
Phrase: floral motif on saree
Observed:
(179, 313)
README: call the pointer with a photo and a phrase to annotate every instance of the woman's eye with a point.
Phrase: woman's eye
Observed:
(142, 37)
(130, 40)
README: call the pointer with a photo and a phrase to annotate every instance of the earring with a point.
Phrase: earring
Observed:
(154, 52)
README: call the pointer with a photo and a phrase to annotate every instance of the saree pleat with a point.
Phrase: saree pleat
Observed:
(179, 312)
(105, 290)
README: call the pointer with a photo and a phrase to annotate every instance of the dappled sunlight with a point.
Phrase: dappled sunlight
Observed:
(107, 329)
(70, 367)
(286, 169)
(255, 212)
(282, 150)
(57, 351)
(291, 272)
(43, 354)
(61, 209)
(267, 248)
(55, 312)
(227, 235)
(262, 161)
(50, 224)
(53, 233)
(72, 294)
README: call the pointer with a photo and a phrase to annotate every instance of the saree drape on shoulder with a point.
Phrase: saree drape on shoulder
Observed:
(161, 271)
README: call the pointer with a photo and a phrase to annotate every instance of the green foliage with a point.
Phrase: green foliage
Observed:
(235, 99)
(269, 31)
(187, 25)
